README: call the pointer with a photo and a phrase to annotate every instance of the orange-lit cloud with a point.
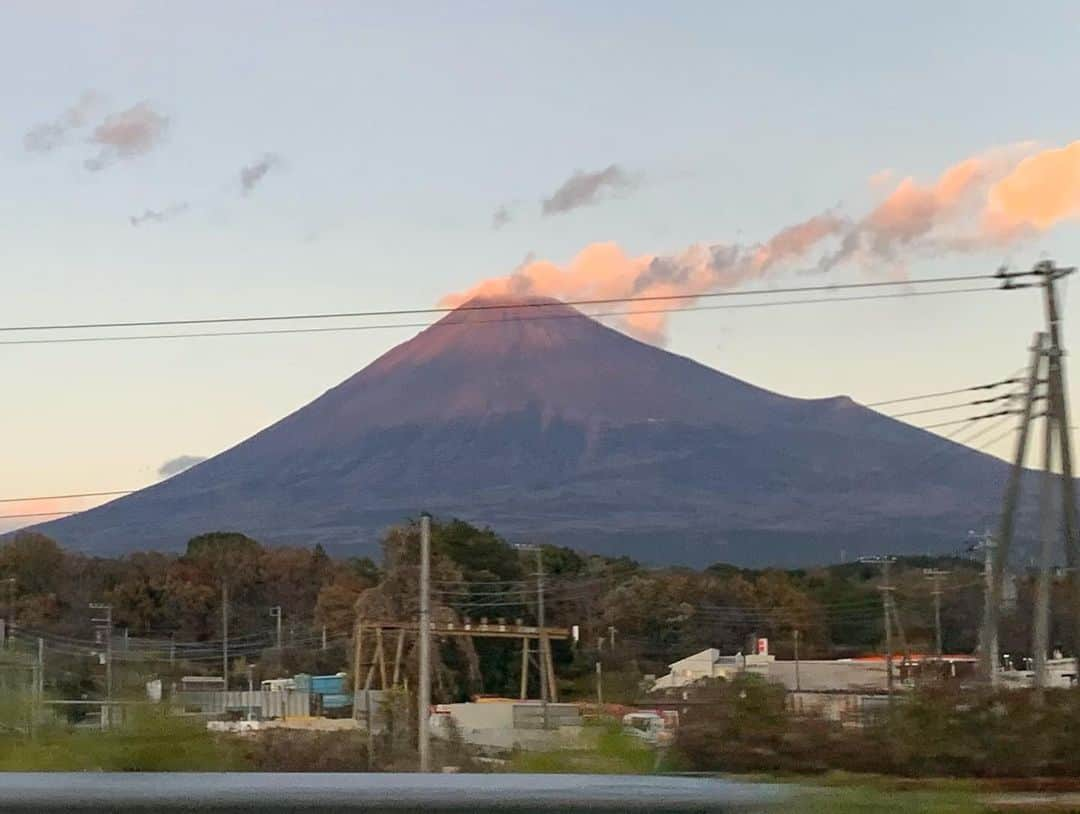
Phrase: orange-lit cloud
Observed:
(604, 271)
(1042, 191)
(988, 200)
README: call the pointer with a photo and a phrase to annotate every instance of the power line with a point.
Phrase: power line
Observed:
(989, 386)
(473, 323)
(38, 514)
(943, 408)
(65, 497)
(487, 306)
(971, 418)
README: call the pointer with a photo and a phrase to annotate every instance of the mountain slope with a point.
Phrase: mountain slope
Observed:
(548, 425)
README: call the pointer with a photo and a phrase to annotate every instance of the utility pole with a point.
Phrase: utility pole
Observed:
(104, 627)
(251, 691)
(998, 552)
(1041, 635)
(545, 644)
(9, 626)
(423, 700)
(798, 683)
(275, 614)
(1058, 405)
(1048, 275)
(988, 636)
(599, 685)
(225, 633)
(324, 637)
(886, 589)
(935, 577)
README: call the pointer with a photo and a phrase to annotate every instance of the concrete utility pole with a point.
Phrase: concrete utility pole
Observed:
(935, 577)
(104, 627)
(599, 685)
(1041, 635)
(40, 669)
(886, 589)
(1058, 424)
(988, 637)
(798, 683)
(9, 626)
(999, 552)
(423, 699)
(545, 644)
(225, 634)
(275, 614)
(1058, 405)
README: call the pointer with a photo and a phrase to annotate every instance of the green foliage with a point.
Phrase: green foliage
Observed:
(149, 742)
(658, 615)
(480, 553)
(612, 752)
(225, 554)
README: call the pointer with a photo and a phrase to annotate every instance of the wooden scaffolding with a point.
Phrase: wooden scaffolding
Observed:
(380, 630)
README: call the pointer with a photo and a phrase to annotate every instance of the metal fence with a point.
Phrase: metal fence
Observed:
(259, 703)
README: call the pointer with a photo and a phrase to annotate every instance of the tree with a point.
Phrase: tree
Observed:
(34, 560)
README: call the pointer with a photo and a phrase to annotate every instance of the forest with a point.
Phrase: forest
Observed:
(633, 618)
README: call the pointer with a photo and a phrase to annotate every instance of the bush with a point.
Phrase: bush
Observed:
(298, 751)
(743, 725)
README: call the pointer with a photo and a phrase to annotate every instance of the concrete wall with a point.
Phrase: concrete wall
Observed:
(508, 725)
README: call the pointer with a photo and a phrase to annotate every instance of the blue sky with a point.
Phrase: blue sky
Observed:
(400, 128)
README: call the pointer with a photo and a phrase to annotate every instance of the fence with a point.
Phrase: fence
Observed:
(259, 703)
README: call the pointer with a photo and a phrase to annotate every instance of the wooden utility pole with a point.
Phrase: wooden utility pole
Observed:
(399, 650)
(423, 700)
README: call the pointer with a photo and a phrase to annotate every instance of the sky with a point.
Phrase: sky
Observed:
(191, 160)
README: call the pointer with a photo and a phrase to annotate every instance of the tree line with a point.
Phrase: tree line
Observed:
(634, 618)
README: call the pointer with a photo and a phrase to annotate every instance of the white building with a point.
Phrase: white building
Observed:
(710, 664)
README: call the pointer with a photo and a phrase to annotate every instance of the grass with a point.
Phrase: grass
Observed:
(149, 743)
(613, 753)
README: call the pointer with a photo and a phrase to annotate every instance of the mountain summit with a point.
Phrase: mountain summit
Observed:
(547, 425)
